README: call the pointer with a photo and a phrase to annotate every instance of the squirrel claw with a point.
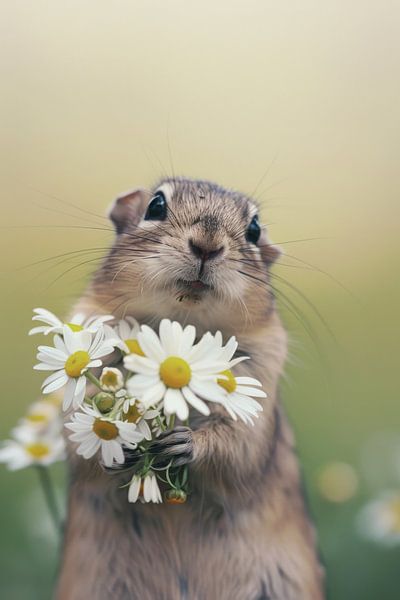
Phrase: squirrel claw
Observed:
(175, 445)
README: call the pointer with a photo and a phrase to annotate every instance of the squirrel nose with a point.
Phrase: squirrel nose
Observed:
(204, 253)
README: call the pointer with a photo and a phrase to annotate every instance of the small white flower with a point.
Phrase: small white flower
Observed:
(41, 416)
(93, 431)
(151, 490)
(238, 399)
(71, 357)
(134, 488)
(111, 379)
(29, 449)
(379, 520)
(146, 490)
(176, 370)
(78, 322)
(126, 332)
(134, 411)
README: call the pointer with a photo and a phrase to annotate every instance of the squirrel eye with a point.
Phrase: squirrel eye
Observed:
(253, 231)
(157, 209)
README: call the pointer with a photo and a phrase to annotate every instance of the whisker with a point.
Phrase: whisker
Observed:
(307, 301)
(312, 239)
(56, 256)
(264, 175)
(69, 271)
(68, 203)
(329, 275)
(292, 308)
(109, 230)
(60, 212)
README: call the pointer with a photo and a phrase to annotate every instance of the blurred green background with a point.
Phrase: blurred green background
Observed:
(296, 100)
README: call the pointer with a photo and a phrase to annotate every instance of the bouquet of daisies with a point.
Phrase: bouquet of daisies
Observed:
(124, 385)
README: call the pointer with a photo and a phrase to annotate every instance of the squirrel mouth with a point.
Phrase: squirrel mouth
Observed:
(192, 289)
(196, 284)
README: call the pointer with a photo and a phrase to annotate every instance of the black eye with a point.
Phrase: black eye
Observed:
(157, 209)
(253, 231)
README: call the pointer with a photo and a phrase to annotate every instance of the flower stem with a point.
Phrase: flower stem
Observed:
(50, 497)
(160, 423)
(93, 380)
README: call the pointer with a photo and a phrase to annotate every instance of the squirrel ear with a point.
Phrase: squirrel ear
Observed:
(128, 209)
(269, 252)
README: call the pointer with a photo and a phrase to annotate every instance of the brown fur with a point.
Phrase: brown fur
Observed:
(244, 533)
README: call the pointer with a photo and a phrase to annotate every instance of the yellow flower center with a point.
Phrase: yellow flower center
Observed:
(228, 384)
(105, 430)
(133, 414)
(37, 450)
(109, 378)
(75, 327)
(76, 363)
(134, 347)
(175, 372)
(395, 514)
(37, 418)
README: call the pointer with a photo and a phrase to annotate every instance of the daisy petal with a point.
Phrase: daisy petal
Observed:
(195, 401)
(150, 344)
(141, 364)
(238, 360)
(174, 403)
(69, 393)
(248, 381)
(166, 337)
(250, 391)
(43, 367)
(79, 396)
(35, 330)
(141, 382)
(56, 384)
(153, 395)
(206, 389)
(52, 377)
(187, 340)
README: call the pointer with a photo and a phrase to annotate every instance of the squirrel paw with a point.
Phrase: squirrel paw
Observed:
(175, 445)
(132, 457)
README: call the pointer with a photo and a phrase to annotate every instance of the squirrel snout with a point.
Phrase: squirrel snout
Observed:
(203, 252)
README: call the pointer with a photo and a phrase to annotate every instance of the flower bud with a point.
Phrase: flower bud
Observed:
(175, 497)
(104, 402)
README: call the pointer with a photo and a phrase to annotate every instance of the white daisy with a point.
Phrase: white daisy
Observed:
(177, 371)
(146, 489)
(93, 431)
(78, 322)
(225, 352)
(380, 519)
(41, 416)
(28, 449)
(238, 399)
(71, 357)
(126, 332)
(111, 379)
(136, 412)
